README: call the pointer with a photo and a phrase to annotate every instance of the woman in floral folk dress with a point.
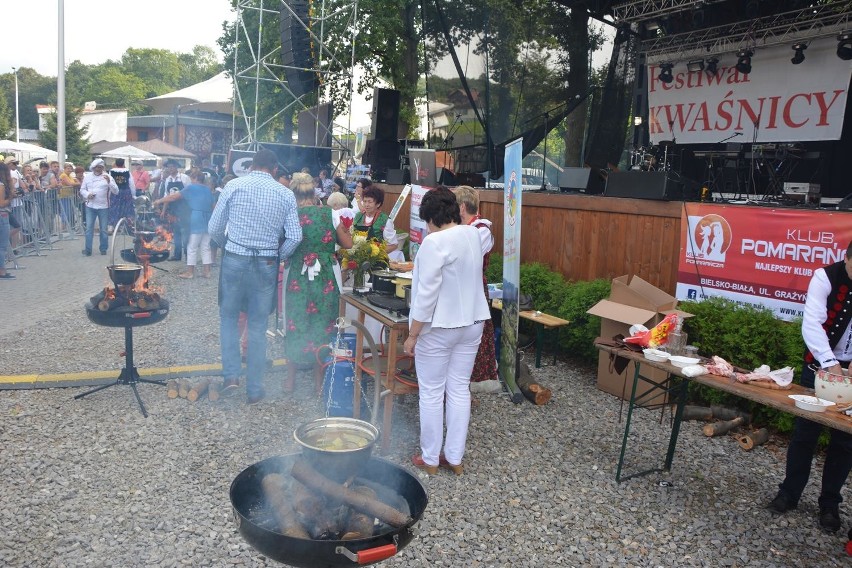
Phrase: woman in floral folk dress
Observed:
(312, 292)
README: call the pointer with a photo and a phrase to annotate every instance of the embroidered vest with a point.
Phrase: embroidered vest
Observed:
(122, 179)
(374, 230)
(838, 305)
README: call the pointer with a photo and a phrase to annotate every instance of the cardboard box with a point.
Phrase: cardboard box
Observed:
(631, 301)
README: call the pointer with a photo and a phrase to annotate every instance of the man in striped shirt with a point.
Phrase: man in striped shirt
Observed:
(263, 228)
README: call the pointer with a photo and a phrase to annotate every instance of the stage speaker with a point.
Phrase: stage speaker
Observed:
(473, 180)
(445, 177)
(397, 176)
(385, 114)
(309, 133)
(381, 155)
(643, 185)
(296, 47)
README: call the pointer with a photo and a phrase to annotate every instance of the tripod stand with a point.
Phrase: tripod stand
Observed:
(129, 375)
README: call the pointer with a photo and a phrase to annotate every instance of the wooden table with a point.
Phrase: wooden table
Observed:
(677, 384)
(542, 322)
(398, 326)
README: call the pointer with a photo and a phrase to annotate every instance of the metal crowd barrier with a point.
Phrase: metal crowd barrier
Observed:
(45, 216)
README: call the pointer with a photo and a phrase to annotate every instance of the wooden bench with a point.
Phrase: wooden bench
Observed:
(542, 322)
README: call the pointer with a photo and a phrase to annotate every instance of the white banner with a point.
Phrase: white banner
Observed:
(776, 102)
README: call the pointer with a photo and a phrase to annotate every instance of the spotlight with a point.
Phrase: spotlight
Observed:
(799, 56)
(844, 46)
(666, 72)
(697, 65)
(711, 65)
(637, 121)
(744, 61)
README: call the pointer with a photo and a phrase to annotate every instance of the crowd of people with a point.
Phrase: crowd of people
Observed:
(280, 235)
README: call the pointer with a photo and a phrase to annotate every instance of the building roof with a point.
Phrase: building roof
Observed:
(102, 146)
(161, 148)
(213, 95)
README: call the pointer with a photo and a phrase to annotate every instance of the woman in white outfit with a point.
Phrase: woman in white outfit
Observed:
(448, 307)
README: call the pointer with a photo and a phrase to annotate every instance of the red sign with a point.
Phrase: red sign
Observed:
(757, 256)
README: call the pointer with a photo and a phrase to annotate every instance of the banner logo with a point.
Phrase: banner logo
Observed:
(711, 239)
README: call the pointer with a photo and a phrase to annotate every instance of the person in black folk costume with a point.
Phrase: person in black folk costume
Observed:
(828, 337)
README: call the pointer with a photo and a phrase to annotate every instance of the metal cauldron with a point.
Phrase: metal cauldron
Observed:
(337, 446)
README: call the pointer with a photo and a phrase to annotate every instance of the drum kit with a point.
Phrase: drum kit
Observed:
(652, 158)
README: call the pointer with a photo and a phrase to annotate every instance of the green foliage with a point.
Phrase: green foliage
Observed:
(76, 146)
(7, 120)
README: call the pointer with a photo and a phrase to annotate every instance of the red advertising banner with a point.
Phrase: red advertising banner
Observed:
(757, 256)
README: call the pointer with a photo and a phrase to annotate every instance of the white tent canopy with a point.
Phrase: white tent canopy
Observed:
(27, 152)
(129, 152)
(213, 95)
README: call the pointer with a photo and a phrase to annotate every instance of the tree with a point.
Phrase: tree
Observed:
(197, 66)
(76, 146)
(7, 124)
(157, 70)
(33, 89)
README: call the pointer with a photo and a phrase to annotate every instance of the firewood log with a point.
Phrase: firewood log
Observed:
(148, 302)
(360, 525)
(315, 514)
(753, 439)
(184, 386)
(725, 413)
(691, 412)
(282, 508)
(213, 390)
(107, 305)
(534, 392)
(172, 388)
(303, 472)
(96, 299)
(719, 428)
(197, 390)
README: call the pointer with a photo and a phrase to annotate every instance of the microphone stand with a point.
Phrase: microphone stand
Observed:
(451, 132)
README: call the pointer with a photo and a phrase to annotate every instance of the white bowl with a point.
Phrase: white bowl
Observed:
(656, 355)
(811, 403)
(680, 361)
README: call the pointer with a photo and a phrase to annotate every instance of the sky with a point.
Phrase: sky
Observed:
(97, 30)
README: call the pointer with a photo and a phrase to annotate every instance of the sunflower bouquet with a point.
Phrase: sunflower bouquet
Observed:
(363, 250)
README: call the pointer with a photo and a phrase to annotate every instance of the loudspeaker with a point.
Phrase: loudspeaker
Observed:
(296, 48)
(385, 114)
(445, 177)
(398, 176)
(643, 185)
(574, 179)
(309, 134)
(381, 155)
(473, 180)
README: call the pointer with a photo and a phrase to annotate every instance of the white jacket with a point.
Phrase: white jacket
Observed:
(99, 188)
(447, 290)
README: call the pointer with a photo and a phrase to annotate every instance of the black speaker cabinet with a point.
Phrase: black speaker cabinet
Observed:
(309, 133)
(296, 48)
(587, 180)
(643, 185)
(385, 114)
(381, 155)
(398, 176)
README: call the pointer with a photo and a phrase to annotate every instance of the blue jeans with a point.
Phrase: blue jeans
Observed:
(103, 216)
(246, 285)
(4, 236)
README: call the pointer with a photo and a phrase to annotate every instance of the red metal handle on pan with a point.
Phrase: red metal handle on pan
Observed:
(369, 555)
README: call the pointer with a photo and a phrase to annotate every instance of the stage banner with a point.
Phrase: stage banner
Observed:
(776, 102)
(511, 267)
(757, 256)
(418, 229)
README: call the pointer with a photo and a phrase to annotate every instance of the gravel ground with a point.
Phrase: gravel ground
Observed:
(93, 483)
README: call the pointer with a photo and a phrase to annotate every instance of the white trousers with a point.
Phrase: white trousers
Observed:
(444, 360)
(198, 241)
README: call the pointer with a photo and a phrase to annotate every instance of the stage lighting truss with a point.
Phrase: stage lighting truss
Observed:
(697, 65)
(264, 65)
(799, 55)
(801, 25)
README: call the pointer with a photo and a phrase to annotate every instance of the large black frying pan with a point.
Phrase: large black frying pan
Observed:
(248, 502)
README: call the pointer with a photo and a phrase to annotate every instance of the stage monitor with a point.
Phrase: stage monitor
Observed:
(587, 180)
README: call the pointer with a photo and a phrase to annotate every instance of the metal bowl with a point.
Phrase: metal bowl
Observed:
(337, 446)
(124, 274)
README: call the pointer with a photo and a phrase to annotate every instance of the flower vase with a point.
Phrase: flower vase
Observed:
(358, 279)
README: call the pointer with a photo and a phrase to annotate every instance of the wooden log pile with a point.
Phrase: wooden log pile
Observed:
(310, 505)
(534, 392)
(107, 299)
(205, 387)
(728, 420)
